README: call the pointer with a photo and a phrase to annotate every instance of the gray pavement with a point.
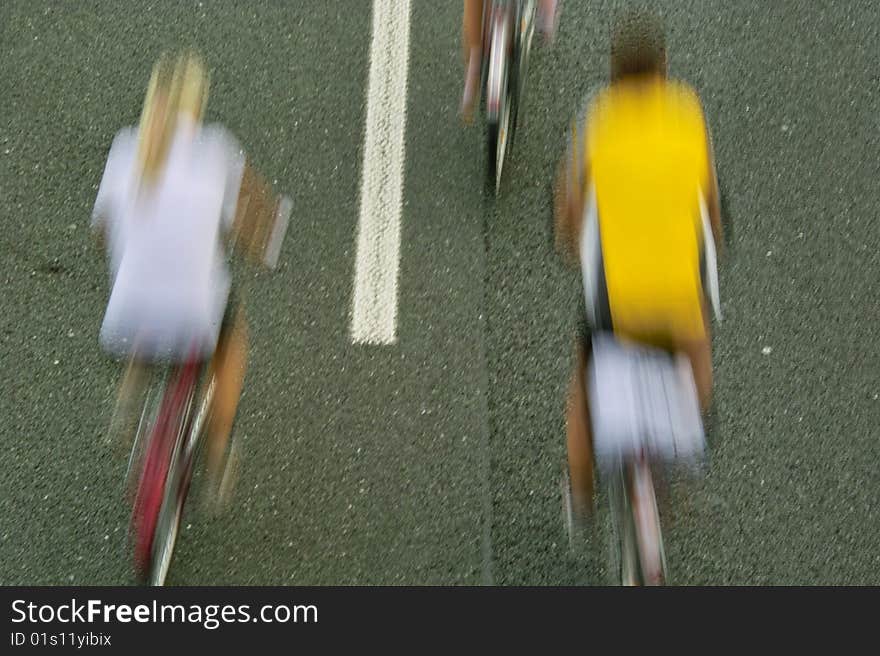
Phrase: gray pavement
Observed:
(437, 460)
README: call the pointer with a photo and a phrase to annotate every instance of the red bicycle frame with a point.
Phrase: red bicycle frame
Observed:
(170, 424)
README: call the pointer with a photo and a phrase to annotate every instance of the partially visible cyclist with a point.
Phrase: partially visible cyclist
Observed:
(637, 209)
(173, 193)
(472, 43)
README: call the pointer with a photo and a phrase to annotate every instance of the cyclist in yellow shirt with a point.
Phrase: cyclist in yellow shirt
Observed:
(637, 209)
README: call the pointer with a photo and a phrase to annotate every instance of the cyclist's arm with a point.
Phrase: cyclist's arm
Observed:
(548, 18)
(251, 193)
(258, 213)
(571, 177)
(247, 214)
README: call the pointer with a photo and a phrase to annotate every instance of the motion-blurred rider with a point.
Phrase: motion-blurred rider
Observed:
(472, 42)
(637, 209)
(174, 194)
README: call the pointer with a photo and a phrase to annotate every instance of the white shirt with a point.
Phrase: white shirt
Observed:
(170, 280)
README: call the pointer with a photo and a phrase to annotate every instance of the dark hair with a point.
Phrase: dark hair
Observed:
(638, 46)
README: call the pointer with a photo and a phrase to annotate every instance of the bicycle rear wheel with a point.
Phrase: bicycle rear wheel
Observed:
(193, 421)
(638, 556)
(623, 560)
(171, 510)
(152, 526)
(151, 485)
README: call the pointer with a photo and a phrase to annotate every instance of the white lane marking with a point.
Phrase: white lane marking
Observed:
(374, 313)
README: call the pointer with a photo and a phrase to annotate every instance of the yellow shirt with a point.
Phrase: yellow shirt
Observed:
(648, 157)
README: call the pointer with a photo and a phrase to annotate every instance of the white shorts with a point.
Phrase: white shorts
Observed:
(642, 400)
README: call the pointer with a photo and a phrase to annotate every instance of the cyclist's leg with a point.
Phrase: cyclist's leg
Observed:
(578, 437)
(228, 368)
(699, 352)
(472, 42)
(592, 315)
(664, 334)
(130, 391)
(472, 27)
(548, 16)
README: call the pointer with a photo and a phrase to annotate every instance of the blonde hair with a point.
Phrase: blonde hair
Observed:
(181, 88)
(190, 86)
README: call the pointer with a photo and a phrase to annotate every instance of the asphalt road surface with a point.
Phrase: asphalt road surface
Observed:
(436, 459)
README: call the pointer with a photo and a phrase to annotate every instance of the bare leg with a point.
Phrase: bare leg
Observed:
(699, 352)
(472, 28)
(579, 440)
(229, 365)
(547, 18)
(130, 390)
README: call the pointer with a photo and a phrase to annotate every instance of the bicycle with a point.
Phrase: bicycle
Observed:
(508, 30)
(172, 438)
(644, 414)
(169, 438)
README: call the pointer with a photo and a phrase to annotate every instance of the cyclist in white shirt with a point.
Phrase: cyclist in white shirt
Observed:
(173, 194)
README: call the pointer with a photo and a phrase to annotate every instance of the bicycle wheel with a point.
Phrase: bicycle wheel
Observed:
(151, 484)
(179, 477)
(637, 553)
(498, 99)
(170, 512)
(166, 537)
(525, 32)
(646, 520)
(623, 557)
